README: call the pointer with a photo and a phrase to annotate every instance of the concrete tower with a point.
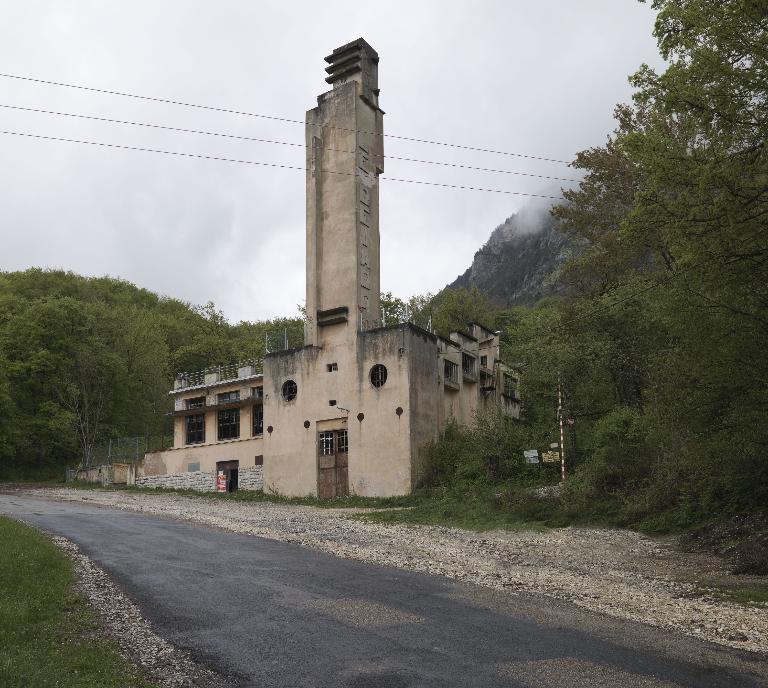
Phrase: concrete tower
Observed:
(345, 156)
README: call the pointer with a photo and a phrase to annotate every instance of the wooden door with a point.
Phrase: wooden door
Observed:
(332, 464)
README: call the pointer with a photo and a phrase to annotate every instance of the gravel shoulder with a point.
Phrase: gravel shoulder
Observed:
(615, 572)
(122, 621)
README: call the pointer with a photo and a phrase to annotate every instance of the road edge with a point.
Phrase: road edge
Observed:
(122, 621)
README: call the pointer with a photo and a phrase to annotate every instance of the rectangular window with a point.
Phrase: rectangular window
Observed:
(226, 397)
(510, 387)
(341, 437)
(257, 392)
(325, 443)
(229, 424)
(451, 372)
(258, 421)
(197, 402)
(468, 364)
(195, 428)
(332, 367)
(483, 361)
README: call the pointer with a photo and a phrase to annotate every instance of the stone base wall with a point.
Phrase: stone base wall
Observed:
(250, 478)
(203, 481)
(194, 480)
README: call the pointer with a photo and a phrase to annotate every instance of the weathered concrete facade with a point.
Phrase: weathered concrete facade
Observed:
(355, 408)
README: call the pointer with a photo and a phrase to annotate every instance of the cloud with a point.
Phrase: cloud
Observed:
(541, 81)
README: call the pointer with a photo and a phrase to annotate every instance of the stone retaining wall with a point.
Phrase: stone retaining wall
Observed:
(203, 481)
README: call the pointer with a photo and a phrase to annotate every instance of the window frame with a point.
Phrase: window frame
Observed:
(257, 412)
(326, 443)
(200, 417)
(378, 375)
(220, 423)
(227, 397)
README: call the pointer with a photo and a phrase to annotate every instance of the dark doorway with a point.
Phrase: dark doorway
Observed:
(332, 464)
(230, 470)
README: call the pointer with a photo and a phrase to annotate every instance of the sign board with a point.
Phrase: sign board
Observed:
(531, 455)
(554, 445)
(221, 482)
(550, 457)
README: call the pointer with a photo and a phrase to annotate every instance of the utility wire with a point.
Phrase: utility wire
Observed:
(268, 164)
(274, 117)
(272, 141)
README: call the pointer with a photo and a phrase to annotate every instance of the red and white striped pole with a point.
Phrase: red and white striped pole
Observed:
(562, 435)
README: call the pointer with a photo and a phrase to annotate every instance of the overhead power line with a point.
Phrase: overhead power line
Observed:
(275, 118)
(150, 125)
(267, 164)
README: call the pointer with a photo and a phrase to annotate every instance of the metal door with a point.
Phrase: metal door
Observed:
(332, 464)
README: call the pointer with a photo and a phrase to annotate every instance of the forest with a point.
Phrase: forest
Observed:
(657, 339)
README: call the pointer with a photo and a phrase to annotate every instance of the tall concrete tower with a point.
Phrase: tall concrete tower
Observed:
(345, 156)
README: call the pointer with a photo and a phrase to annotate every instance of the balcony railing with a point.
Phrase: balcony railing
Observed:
(214, 374)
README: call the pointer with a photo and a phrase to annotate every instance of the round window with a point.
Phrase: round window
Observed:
(289, 390)
(378, 375)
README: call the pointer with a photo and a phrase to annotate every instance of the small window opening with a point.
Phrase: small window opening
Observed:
(378, 375)
(331, 402)
(332, 367)
(197, 402)
(289, 390)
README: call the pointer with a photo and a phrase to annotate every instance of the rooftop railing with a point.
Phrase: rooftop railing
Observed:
(215, 374)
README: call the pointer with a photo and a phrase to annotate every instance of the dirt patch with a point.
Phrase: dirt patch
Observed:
(616, 572)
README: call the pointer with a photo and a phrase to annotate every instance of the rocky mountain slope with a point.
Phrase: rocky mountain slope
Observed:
(517, 265)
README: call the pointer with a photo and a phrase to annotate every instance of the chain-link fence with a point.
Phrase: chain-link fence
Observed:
(128, 449)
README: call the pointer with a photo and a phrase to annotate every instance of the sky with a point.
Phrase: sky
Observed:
(532, 78)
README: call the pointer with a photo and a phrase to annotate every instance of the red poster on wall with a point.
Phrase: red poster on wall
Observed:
(221, 482)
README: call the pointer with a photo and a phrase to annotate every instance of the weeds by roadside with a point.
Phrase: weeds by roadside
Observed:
(48, 634)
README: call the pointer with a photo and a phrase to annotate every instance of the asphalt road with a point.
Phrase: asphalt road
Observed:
(267, 613)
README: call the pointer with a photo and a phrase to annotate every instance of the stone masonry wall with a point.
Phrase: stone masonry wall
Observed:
(203, 481)
(250, 478)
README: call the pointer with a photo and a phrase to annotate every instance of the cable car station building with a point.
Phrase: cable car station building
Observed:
(355, 408)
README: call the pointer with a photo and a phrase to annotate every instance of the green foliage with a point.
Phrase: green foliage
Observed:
(83, 360)
(658, 344)
(487, 453)
(48, 634)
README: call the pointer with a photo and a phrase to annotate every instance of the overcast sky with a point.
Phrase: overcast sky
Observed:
(539, 78)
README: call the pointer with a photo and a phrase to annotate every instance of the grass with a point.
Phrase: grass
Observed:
(748, 594)
(48, 634)
(352, 501)
(479, 510)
